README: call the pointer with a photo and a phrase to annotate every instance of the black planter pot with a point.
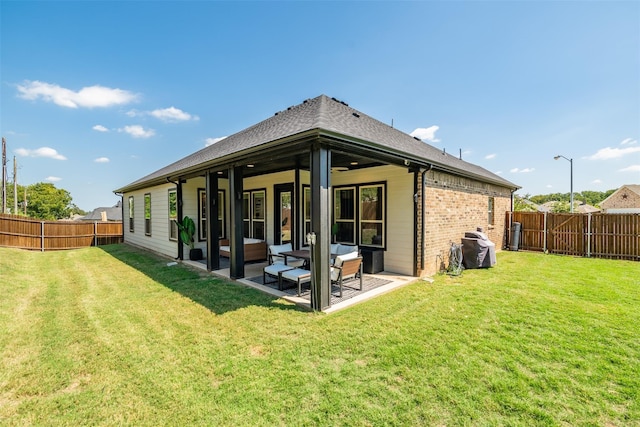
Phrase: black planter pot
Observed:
(195, 254)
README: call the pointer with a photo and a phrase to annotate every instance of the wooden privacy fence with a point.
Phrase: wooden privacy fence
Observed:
(34, 234)
(600, 235)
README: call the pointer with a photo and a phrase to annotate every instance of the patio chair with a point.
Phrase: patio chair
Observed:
(348, 266)
(276, 263)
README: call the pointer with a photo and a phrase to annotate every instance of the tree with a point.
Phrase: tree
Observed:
(522, 204)
(45, 201)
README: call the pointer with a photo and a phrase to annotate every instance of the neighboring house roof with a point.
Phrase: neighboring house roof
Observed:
(326, 117)
(113, 213)
(616, 195)
(586, 208)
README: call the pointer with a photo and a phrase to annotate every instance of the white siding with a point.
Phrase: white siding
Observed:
(400, 238)
(159, 239)
(267, 182)
(398, 257)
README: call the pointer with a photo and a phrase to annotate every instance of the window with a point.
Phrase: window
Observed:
(202, 214)
(491, 211)
(253, 213)
(173, 214)
(221, 210)
(372, 215)
(147, 214)
(344, 205)
(131, 222)
(360, 220)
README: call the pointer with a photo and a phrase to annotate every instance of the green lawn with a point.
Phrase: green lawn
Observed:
(113, 336)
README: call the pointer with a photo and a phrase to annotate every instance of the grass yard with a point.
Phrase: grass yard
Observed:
(113, 336)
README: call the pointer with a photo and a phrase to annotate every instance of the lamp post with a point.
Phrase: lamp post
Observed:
(571, 188)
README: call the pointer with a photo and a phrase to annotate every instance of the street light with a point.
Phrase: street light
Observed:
(571, 188)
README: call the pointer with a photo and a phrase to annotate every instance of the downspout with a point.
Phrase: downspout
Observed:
(423, 215)
(179, 197)
(121, 210)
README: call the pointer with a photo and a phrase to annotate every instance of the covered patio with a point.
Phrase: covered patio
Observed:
(316, 174)
(373, 285)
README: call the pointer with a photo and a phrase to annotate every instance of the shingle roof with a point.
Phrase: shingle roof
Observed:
(114, 213)
(322, 114)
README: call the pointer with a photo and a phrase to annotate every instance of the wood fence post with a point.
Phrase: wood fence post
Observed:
(95, 233)
(544, 234)
(589, 235)
(42, 236)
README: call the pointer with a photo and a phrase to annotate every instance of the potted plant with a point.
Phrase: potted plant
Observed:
(187, 232)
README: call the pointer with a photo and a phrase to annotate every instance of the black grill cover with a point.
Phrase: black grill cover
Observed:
(477, 250)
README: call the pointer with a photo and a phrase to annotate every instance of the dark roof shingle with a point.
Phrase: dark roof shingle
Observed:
(323, 114)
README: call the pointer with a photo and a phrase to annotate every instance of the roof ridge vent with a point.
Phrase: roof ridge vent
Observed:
(417, 139)
(340, 102)
(356, 115)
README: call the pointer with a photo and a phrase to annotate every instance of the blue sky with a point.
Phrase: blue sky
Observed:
(95, 95)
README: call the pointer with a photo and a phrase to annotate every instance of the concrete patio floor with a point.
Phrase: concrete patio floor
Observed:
(353, 296)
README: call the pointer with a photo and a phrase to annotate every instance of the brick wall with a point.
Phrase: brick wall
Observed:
(454, 205)
(618, 200)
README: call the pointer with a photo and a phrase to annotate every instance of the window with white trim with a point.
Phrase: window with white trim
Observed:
(173, 214)
(131, 212)
(147, 214)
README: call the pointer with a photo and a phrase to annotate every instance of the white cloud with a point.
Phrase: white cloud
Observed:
(100, 128)
(53, 178)
(88, 97)
(426, 134)
(211, 141)
(173, 114)
(102, 160)
(498, 172)
(632, 168)
(525, 170)
(169, 115)
(613, 153)
(138, 131)
(596, 181)
(549, 186)
(40, 152)
(629, 141)
(490, 156)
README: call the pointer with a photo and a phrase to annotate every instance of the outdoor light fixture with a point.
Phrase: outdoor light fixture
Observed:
(571, 187)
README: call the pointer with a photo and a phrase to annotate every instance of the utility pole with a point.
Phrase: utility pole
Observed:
(15, 186)
(4, 175)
